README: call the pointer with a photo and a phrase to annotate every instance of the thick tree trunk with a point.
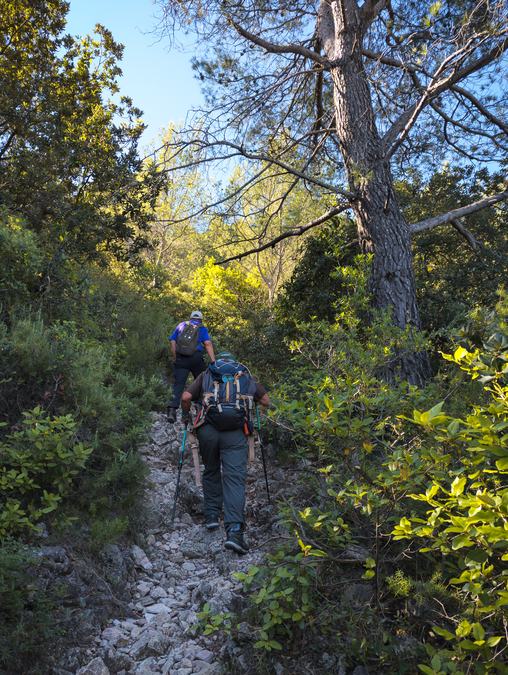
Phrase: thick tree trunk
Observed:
(382, 228)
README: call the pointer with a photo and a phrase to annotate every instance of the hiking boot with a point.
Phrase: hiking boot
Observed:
(171, 415)
(212, 523)
(235, 541)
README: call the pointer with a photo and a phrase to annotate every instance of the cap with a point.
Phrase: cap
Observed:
(196, 314)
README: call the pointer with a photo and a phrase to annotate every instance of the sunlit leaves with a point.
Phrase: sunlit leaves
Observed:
(467, 518)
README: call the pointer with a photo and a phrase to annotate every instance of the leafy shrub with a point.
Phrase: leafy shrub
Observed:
(466, 511)
(22, 261)
(332, 394)
(235, 310)
(377, 451)
(106, 531)
(282, 597)
(62, 373)
(26, 614)
(283, 590)
(37, 467)
(115, 487)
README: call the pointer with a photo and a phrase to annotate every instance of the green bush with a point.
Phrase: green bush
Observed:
(22, 262)
(466, 512)
(26, 614)
(106, 531)
(386, 473)
(332, 395)
(114, 488)
(37, 467)
(63, 373)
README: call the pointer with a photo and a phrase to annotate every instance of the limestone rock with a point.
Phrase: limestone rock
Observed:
(54, 558)
(204, 655)
(140, 558)
(116, 661)
(95, 667)
(150, 643)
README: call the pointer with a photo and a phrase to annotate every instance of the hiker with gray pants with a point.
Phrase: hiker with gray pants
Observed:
(226, 393)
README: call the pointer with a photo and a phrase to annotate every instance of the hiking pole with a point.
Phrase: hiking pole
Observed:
(263, 454)
(180, 464)
(195, 458)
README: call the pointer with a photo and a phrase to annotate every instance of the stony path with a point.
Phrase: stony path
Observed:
(178, 570)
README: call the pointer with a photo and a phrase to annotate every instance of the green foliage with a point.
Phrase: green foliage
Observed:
(282, 592)
(234, 306)
(106, 531)
(38, 464)
(282, 597)
(452, 277)
(114, 487)
(399, 584)
(333, 396)
(69, 150)
(22, 261)
(26, 613)
(81, 334)
(316, 286)
(210, 623)
(466, 507)
(64, 370)
(377, 450)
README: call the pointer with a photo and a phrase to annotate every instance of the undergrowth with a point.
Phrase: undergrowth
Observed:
(400, 550)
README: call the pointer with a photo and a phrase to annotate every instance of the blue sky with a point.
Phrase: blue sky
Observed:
(159, 80)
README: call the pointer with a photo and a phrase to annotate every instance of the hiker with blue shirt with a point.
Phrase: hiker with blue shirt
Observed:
(188, 342)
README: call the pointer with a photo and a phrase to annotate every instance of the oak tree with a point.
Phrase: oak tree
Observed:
(69, 162)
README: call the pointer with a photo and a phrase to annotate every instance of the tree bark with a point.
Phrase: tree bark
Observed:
(382, 228)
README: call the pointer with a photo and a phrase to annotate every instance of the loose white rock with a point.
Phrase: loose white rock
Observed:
(140, 558)
(95, 667)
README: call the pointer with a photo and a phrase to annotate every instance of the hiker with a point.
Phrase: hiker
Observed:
(226, 392)
(188, 342)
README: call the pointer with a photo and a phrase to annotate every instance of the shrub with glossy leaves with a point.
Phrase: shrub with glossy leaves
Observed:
(466, 511)
(38, 464)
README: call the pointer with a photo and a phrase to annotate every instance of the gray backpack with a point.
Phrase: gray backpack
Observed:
(187, 341)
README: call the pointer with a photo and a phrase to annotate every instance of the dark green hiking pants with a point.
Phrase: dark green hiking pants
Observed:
(224, 455)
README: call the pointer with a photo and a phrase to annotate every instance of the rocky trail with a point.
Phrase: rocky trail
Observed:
(179, 569)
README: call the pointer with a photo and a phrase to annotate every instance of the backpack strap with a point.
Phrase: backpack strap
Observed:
(216, 395)
(237, 389)
(207, 394)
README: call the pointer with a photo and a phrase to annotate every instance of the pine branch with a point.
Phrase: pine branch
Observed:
(450, 216)
(296, 232)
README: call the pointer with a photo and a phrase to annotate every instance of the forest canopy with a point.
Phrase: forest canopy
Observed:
(339, 96)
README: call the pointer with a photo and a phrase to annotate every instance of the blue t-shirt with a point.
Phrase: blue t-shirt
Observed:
(203, 332)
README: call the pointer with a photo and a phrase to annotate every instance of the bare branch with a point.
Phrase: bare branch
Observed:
(444, 218)
(404, 123)
(291, 48)
(483, 61)
(283, 165)
(412, 68)
(469, 130)
(481, 108)
(296, 232)
(468, 236)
